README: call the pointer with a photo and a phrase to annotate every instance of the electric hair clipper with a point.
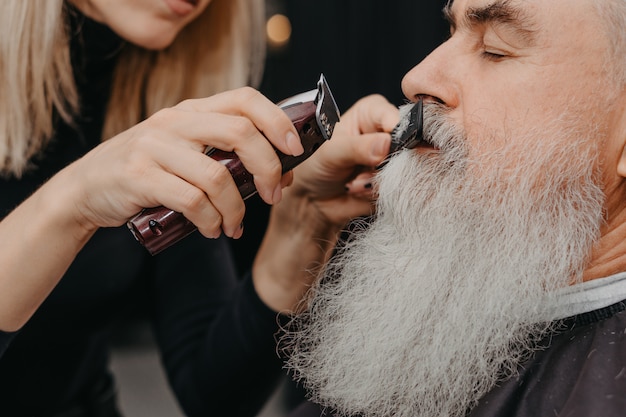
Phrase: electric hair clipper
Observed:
(409, 132)
(314, 115)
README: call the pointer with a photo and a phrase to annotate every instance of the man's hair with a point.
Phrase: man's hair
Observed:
(613, 13)
(222, 49)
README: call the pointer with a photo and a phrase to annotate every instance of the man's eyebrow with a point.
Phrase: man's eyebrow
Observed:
(500, 12)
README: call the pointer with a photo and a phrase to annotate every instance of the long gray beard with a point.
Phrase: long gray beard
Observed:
(444, 293)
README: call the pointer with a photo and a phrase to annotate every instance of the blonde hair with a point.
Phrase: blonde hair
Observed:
(223, 48)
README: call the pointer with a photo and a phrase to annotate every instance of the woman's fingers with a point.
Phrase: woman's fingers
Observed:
(362, 186)
(219, 210)
(246, 133)
(372, 113)
(361, 138)
(249, 103)
(161, 161)
(366, 150)
(220, 131)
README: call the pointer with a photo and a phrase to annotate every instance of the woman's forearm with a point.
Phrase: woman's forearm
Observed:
(38, 241)
(296, 245)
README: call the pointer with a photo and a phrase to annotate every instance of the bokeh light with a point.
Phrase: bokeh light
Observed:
(278, 30)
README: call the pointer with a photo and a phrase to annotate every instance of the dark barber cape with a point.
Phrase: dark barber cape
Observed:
(580, 373)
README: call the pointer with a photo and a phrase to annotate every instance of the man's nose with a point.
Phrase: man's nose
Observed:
(433, 77)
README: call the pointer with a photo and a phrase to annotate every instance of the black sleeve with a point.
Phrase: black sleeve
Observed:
(217, 337)
(5, 341)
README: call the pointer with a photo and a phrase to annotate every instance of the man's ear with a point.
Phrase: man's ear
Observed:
(621, 164)
(621, 131)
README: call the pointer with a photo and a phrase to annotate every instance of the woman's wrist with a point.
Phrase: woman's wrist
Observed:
(63, 199)
(296, 245)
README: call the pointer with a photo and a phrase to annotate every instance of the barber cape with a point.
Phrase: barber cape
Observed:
(580, 372)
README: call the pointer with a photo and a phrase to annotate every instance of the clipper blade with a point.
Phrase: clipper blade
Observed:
(409, 131)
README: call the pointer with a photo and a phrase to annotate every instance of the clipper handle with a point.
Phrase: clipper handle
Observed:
(159, 227)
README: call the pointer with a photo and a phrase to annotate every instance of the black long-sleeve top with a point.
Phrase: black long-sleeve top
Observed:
(216, 337)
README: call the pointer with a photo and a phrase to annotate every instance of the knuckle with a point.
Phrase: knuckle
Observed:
(275, 168)
(137, 168)
(163, 116)
(374, 98)
(279, 120)
(136, 162)
(238, 213)
(378, 97)
(243, 128)
(188, 102)
(192, 199)
(270, 176)
(141, 141)
(217, 175)
(247, 93)
(276, 175)
(211, 226)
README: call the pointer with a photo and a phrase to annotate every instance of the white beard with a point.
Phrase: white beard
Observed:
(422, 312)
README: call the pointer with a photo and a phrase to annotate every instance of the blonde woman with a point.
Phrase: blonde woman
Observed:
(106, 107)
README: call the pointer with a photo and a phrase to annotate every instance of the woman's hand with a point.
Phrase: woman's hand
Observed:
(161, 162)
(157, 162)
(337, 178)
(329, 189)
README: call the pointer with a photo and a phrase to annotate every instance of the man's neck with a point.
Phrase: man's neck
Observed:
(609, 253)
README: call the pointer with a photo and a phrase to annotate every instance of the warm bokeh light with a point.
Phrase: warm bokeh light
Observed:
(278, 29)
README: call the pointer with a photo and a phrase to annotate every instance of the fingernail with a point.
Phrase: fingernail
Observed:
(239, 232)
(277, 195)
(294, 144)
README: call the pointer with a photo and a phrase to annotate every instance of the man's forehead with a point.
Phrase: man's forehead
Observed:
(461, 9)
(532, 19)
(462, 5)
(536, 8)
(518, 15)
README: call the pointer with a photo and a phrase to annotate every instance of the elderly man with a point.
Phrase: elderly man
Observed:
(491, 281)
